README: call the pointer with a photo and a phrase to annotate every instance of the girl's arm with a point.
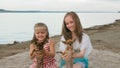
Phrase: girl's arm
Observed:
(86, 47)
(32, 53)
(52, 49)
(80, 54)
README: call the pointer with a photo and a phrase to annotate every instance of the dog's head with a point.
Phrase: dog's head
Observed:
(69, 43)
(38, 48)
(39, 45)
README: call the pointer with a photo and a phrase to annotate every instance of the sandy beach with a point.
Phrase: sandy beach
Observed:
(105, 40)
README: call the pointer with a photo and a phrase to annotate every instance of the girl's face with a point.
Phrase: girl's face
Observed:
(40, 33)
(70, 24)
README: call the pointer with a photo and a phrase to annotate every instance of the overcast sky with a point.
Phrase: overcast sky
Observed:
(74, 5)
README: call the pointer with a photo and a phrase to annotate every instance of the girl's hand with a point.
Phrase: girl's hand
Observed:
(67, 57)
(51, 53)
(32, 53)
(74, 55)
(52, 42)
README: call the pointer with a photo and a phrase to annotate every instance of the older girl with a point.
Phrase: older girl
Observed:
(72, 29)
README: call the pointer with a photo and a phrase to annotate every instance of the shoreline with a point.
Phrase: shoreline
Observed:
(17, 47)
(105, 54)
(89, 28)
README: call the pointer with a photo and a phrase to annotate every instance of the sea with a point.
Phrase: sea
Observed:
(19, 26)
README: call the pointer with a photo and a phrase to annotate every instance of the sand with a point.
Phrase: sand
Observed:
(105, 40)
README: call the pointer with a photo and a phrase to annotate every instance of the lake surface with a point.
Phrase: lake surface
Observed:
(19, 26)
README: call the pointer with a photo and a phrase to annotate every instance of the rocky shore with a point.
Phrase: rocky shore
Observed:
(105, 40)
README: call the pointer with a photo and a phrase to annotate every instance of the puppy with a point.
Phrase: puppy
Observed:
(69, 48)
(39, 49)
(68, 51)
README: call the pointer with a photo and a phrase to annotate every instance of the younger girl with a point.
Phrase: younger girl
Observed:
(41, 34)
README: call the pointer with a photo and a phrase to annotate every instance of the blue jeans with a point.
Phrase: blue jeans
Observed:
(76, 60)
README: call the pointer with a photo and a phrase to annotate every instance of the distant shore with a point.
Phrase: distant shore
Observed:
(105, 40)
(54, 11)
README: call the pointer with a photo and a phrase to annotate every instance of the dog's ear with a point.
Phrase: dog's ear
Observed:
(64, 42)
(73, 40)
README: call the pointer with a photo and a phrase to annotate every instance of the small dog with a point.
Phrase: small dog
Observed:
(39, 49)
(69, 49)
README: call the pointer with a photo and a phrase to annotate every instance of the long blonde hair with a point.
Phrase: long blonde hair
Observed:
(78, 27)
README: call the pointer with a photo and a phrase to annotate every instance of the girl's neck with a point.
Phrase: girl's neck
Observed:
(74, 35)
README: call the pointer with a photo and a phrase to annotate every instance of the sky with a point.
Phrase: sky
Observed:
(60, 5)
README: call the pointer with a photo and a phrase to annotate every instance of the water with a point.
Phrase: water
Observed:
(19, 26)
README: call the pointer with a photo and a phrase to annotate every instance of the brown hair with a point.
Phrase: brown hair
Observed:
(78, 27)
(34, 39)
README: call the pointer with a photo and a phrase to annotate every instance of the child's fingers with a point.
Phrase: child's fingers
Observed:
(52, 42)
(67, 57)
